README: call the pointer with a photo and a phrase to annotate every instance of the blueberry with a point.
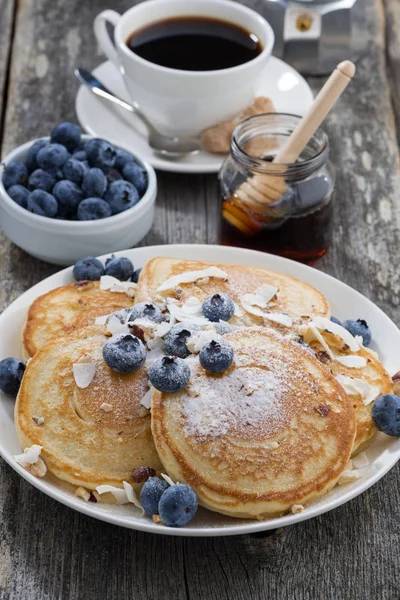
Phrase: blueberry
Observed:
(122, 158)
(336, 321)
(176, 338)
(92, 209)
(119, 267)
(88, 269)
(11, 372)
(52, 156)
(100, 153)
(358, 327)
(169, 374)
(112, 175)
(80, 155)
(67, 134)
(68, 196)
(121, 195)
(135, 276)
(124, 353)
(19, 194)
(218, 307)
(222, 327)
(94, 183)
(151, 493)
(146, 310)
(15, 173)
(136, 175)
(31, 161)
(41, 180)
(42, 203)
(74, 170)
(386, 414)
(177, 505)
(216, 357)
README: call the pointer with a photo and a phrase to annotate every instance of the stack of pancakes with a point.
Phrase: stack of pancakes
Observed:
(276, 430)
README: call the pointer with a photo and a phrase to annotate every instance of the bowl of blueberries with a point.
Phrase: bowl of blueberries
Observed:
(70, 195)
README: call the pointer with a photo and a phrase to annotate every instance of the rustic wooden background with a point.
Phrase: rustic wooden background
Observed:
(49, 552)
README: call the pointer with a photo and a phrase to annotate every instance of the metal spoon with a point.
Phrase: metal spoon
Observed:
(168, 146)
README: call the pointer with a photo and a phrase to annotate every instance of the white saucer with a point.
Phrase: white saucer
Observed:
(345, 303)
(287, 89)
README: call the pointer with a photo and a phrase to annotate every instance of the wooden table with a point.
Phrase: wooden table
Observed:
(48, 551)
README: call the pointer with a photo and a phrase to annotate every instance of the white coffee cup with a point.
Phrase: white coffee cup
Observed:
(184, 102)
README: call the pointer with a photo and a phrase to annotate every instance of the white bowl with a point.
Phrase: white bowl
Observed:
(64, 242)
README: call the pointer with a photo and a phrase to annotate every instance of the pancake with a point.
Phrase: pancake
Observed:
(293, 298)
(90, 436)
(377, 380)
(275, 430)
(66, 309)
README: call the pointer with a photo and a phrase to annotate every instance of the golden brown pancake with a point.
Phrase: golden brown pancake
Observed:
(90, 436)
(275, 430)
(66, 309)
(294, 298)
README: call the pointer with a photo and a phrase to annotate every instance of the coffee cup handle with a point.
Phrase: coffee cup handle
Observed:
(102, 35)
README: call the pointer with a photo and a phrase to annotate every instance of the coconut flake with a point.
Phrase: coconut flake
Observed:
(352, 361)
(29, 456)
(115, 326)
(355, 387)
(324, 324)
(267, 291)
(167, 479)
(146, 400)
(101, 320)
(348, 476)
(107, 282)
(257, 312)
(119, 494)
(201, 338)
(238, 311)
(162, 329)
(254, 300)
(279, 318)
(316, 334)
(131, 495)
(83, 373)
(180, 314)
(191, 277)
(297, 508)
(361, 460)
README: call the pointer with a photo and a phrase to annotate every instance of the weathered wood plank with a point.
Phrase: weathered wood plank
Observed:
(392, 14)
(49, 552)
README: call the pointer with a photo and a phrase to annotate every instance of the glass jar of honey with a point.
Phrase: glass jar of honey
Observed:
(279, 208)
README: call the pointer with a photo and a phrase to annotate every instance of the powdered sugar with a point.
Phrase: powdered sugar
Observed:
(244, 399)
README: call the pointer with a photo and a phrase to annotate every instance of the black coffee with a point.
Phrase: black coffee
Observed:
(195, 44)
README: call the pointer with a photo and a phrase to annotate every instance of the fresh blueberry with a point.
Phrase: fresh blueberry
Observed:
(135, 276)
(19, 194)
(88, 269)
(136, 175)
(358, 327)
(121, 195)
(11, 372)
(119, 267)
(177, 505)
(74, 170)
(218, 307)
(169, 374)
(42, 203)
(41, 180)
(146, 310)
(100, 153)
(112, 175)
(386, 414)
(80, 155)
(52, 156)
(222, 327)
(15, 173)
(124, 353)
(176, 338)
(31, 161)
(336, 321)
(94, 183)
(68, 196)
(67, 134)
(92, 209)
(216, 357)
(122, 158)
(151, 493)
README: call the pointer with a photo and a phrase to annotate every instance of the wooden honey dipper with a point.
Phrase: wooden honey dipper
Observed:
(260, 191)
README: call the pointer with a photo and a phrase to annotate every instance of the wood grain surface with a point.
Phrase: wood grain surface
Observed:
(48, 551)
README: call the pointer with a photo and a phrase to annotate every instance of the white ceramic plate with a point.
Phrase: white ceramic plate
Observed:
(287, 89)
(345, 303)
